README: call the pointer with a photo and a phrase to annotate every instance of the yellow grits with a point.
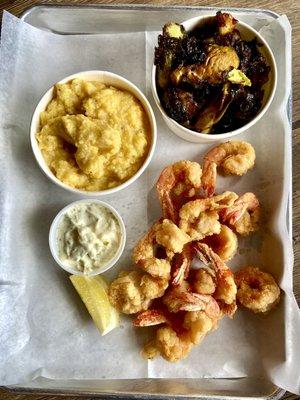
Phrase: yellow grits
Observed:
(92, 136)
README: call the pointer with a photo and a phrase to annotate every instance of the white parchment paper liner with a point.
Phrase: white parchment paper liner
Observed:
(44, 328)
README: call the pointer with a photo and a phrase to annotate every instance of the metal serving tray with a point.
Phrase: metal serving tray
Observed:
(90, 19)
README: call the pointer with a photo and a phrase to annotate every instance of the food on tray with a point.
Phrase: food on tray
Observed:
(88, 237)
(209, 79)
(244, 215)
(176, 184)
(93, 292)
(234, 157)
(92, 136)
(133, 291)
(224, 243)
(200, 218)
(257, 290)
(169, 290)
(164, 233)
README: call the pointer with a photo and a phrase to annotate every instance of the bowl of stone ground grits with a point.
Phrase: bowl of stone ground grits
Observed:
(93, 133)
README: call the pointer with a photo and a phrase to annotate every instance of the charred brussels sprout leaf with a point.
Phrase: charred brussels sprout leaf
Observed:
(225, 22)
(192, 51)
(214, 111)
(169, 45)
(174, 30)
(219, 59)
(238, 77)
(247, 104)
(180, 105)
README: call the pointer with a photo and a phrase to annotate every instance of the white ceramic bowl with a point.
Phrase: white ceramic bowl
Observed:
(247, 33)
(107, 78)
(53, 238)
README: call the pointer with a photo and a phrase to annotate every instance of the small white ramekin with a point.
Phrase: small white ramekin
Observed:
(247, 33)
(54, 245)
(107, 78)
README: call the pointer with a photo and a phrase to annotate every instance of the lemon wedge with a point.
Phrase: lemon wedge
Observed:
(93, 292)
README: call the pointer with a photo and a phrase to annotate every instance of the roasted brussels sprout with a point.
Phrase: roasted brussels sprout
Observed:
(219, 59)
(192, 51)
(225, 22)
(180, 105)
(209, 79)
(169, 44)
(244, 106)
(174, 30)
(214, 111)
(247, 104)
(253, 63)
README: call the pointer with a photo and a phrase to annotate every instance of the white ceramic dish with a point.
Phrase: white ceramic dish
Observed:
(247, 33)
(53, 238)
(107, 78)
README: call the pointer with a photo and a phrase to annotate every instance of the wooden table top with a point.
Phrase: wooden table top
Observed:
(289, 7)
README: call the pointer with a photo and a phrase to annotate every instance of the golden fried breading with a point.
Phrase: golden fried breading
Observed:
(204, 281)
(225, 243)
(152, 288)
(200, 218)
(248, 223)
(125, 293)
(176, 183)
(233, 157)
(171, 346)
(157, 268)
(257, 290)
(198, 324)
(171, 237)
(226, 289)
(198, 221)
(144, 255)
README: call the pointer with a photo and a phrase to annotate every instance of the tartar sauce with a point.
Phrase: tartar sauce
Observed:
(89, 236)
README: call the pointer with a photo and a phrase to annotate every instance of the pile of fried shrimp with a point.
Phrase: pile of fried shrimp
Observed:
(186, 304)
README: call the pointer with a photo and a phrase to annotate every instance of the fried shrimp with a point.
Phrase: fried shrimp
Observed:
(175, 339)
(171, 237)
(234, 157)
(125, 293)
(243, 215)
(181, 264)
(248, 223)
(150, 318)
(134, 291)
(257, 290)
(152, 288)
(177, 182)
(226, 288)
(200, 218)
(178, 299)
(144, 256)
(199, 324)
(225, 243)
(171, 345)
(175, 344)
(164, 233)
(204, 281)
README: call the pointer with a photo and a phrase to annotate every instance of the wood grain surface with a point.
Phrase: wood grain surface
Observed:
(289, 7)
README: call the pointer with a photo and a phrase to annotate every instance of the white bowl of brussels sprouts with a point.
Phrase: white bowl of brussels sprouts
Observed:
(213, 77)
